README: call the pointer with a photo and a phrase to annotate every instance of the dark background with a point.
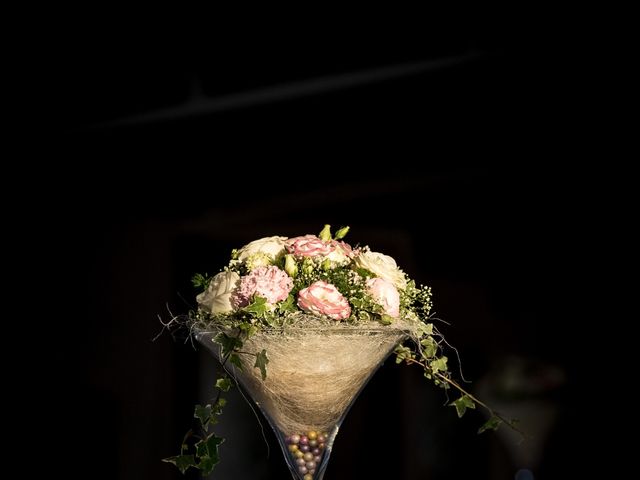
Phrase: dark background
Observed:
(442, 148)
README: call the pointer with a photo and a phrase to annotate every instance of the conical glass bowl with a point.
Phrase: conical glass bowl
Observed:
(314, 375)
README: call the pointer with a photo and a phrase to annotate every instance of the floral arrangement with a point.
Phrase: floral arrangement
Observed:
(276, 281)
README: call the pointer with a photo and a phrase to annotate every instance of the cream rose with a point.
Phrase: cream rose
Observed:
(271, 246)
(382, 266)
(217, 297)
(386, 295)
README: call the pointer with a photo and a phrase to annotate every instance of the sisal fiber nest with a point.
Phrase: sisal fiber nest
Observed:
(314, 372)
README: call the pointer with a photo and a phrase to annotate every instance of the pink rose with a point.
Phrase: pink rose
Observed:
(386, 295)
(309, 246)
(338, 253)
(322, 298)
(267, 282)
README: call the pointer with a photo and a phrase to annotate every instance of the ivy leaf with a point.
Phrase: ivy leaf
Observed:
(430, 347)
(439, 364)
(208, 446)
(207, 451)
(207, 464)
(261, 363)
(403, 353)
(223, 384)
(203, 414)
(258, 307)
(287, 305)
(234, 359)
(217, 408)
(183, 462)
(492, 424)
(248, 328)
(425, 328)
(228, 344)
(386, 319)
(462, 404)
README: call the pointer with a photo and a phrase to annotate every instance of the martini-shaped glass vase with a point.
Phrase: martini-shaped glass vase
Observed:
(313, 377)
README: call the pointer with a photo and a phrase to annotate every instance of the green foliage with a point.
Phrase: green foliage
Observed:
(403, 354)
(234, 359)
(259, 307)
(228, 343)
(203, 414)
(287, 306)
(462, 404)
(224, 384)
(439, 364)
(219, 405)
(261, 363)
(200, 281)
(386, 319)
(183, 462)
(492, 424)
(206, 456)
(429, 346)
(416, 299)
(207, 453)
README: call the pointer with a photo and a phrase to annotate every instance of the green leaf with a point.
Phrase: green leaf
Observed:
(207, 451)
(403, 353)
(492, 424)
(462, 404)
(258, 307)
(287, 305)
(364, 273)
(386, 319)
(439, 364)
(223, 384)
(356, 302)
(261, 363)
(425, 328)
(183, 462)
(217, 408)
(248, 328)
(430, 347)
(200, 281)
(234, 359)
(203, 414)
(229, 344)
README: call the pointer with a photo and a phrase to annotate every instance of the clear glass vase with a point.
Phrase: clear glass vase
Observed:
(313, 377)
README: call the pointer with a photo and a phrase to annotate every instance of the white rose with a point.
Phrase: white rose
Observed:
(382, 266)
(337, 256)
(272, 246)
(217, 297)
